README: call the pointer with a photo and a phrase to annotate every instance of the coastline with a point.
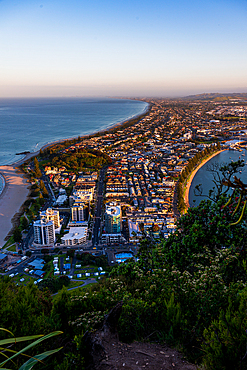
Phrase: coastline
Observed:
(188, 185)
(3, 183)
(16, 188)
(12, 197)
(113, 126)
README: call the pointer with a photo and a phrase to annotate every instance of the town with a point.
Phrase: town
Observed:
(121, 187)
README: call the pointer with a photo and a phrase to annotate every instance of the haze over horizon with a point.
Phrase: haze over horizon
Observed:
(64, 48)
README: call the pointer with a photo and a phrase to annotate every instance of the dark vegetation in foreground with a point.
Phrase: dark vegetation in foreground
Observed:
(188, 291)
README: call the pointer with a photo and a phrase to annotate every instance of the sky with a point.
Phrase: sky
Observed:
(128, 48)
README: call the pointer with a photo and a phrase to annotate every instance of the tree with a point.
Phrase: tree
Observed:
(17, 235)
(222, 174)
(43, 189)
(155, 228)
(37, 172)
(24, 222)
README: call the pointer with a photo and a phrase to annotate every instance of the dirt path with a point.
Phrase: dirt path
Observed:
(139, 356)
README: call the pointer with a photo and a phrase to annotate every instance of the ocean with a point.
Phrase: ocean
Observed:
(28, 124)
(204, 177)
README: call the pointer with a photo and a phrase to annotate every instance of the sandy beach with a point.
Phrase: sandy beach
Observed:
(187, 191)
(11, 199)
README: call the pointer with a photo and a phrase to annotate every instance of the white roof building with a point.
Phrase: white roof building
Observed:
(76, 235)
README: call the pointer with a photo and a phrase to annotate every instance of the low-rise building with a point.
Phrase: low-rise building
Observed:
(76, 235)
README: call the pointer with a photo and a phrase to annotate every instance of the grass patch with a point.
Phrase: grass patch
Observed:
(12, 248)
(27, 279)
(87, 286)
(9, 242)
(49, 271)
(74, 284)
(80, 278)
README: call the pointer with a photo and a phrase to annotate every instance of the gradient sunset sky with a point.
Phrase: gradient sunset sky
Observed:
(122, 47)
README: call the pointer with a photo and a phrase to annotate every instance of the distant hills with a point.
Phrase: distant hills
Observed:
(216, 96)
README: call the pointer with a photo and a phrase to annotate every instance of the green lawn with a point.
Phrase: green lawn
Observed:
(27, 279)
(74, 284)
(49, 271)
(83, 270)
(9, 242)
(12, 248)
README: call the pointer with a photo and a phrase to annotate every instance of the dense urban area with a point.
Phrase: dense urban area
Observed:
(104, 193)
(100, 201)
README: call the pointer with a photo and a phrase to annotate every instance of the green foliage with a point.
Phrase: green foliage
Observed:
(24, 310)
(43, 189)
(54, 284)
(24, 222)
(89, 259)
(78, 160)
(17, 235)
(188, 290)
(33, 359)
(37, 172)
(226, 338)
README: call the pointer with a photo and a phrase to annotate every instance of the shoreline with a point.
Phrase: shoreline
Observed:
(3, 183)
(113, 126)
(192, 175)
(16, 188)
(12, 197)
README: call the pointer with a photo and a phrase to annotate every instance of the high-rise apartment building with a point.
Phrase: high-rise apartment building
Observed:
(44, 232)
(77, 212)
(51, 215)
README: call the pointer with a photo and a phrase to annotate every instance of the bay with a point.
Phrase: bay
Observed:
(205, 178)
(28, 124)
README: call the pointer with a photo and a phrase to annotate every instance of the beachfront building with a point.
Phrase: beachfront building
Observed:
(51, 215)
(113, 219)
(76, 235)
(44, 232)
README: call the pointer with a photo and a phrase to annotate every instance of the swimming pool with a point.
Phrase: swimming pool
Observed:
(123, 256)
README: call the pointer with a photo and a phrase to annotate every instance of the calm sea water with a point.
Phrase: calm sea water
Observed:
(28, 124)
(204, 177)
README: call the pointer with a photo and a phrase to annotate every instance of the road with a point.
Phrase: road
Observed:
(98, 208)
(86, 282)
